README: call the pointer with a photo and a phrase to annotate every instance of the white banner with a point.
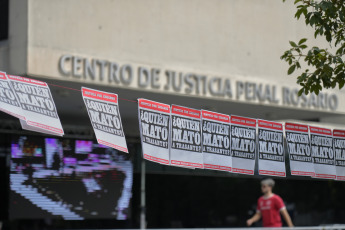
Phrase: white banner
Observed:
(298, 146)
(186, 137)
(8, 100)
(216, 141)
(104, 114)
(322, 152)
(339, 153)
(37, 104)
(271, 148)
(154, 125)
(243, 144)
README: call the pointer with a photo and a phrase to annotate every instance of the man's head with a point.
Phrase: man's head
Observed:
(267, 185)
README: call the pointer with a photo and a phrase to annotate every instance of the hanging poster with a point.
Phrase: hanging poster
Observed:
(216, 141)
(8, 101)
(322, 152)
(271, 148)
(339, 153)
(104, 114)
(37, 104)
(243, 144)
(186, 138)
(25, 126)
(154, 125)
(298, 147)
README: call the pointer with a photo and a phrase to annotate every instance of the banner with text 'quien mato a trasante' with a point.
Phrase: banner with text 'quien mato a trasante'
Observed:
(154, 125)
(321, 145)
(8, 100)
(339, 153)
(103, 110)
(298, 146)
(37, 104)
(216, 141)
(243, 144)
(271, 148)
(186, 137)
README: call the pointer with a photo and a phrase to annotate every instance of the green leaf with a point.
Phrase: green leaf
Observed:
(291, 69)
(300, 92)
(324, 6)
(303, 77)
(328, 36)
(312, 20)
(298, 13)
(305, 11)
(316, 50)
(303, 40)
(292, 44)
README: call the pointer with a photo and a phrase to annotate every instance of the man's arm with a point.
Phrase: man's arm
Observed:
(255, 218)
(286, 217)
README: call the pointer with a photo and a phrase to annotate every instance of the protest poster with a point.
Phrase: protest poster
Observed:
(216, 141)
(154, 126)
(103, 110)
(243, 144)
(8, 101)
(25, 126)
(37, 105)
(271, 148)
(186, 138)
(339, 153)
(321, 144)
(298, 147)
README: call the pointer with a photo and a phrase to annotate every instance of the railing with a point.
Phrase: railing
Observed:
(324, 227)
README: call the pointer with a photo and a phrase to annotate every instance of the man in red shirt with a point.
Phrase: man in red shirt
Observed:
(270, 206)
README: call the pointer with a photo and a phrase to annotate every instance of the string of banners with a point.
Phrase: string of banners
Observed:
(185, 137)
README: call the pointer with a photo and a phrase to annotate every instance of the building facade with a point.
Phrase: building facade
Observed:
(218, 55)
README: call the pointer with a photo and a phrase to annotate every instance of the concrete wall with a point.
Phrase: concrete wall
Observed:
(232, 37)
(18, 37)
(4, 49)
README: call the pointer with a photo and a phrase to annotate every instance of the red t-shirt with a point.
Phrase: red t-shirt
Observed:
(270, 210)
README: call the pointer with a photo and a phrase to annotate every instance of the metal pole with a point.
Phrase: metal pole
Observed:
(143, 196)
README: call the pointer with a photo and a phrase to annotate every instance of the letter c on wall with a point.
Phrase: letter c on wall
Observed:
(62, 62)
